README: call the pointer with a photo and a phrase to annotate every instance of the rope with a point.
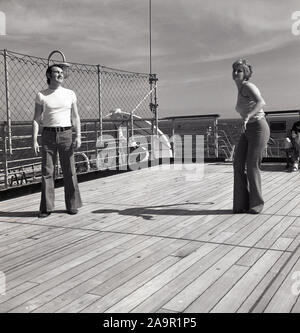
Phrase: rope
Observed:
(150, 92)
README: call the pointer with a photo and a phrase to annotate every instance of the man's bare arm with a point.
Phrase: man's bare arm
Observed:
(35, 127)
(76, 124)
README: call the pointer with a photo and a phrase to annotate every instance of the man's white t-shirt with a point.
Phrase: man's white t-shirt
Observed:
(57, 106)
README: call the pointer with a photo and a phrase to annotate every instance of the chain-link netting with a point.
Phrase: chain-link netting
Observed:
(98, 89)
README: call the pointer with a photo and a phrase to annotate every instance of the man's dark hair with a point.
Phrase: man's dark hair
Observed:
(49, 71)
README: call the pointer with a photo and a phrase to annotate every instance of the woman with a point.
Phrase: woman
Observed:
(247, 194)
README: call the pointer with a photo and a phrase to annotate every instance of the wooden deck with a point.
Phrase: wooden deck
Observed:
(155, 240)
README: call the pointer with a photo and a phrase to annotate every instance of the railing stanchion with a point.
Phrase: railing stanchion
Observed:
(4, 152)
(8, 114)
(100, 101)
(173, 143)
(216, 135)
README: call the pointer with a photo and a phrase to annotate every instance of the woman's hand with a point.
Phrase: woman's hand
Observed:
(245, 121)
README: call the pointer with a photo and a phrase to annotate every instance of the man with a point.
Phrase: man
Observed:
(296, 144)
(56, 110)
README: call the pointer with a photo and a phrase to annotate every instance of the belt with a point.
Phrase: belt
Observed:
(57, 129)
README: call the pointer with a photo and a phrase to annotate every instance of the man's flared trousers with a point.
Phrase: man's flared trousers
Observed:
(61, 142)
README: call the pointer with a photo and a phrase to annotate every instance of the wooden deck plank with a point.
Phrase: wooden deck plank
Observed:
(270, 238)
(253, 299)
(113, 241)
(17, 291)
(165, 292)
(239, 293)
(212, 295)
(284, 270)
(78, 304)
(266, 234)
(134, 269)
(45, 292)
(46, 263)
(282, 243)
(251, 225)
(122, 277)
(144, 240)
(13, 259)
(287, 294)
(34, 237)
(83, 284)
(250, 257)
(76, 270)
(130, 286)
(157, 283)
(189, 294)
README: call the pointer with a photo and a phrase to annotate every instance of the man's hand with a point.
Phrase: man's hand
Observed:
(77, 142)
(36, 147)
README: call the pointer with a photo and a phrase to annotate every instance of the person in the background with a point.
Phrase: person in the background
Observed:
(289, 152)
(296, 144)
(247, 193)
(56, 110)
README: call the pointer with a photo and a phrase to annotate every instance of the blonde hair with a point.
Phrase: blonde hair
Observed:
(247, 68)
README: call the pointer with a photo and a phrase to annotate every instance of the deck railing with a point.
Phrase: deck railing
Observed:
(113, 148)
(99, 90)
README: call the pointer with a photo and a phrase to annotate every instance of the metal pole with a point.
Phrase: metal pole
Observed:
(216, 137)
(132, 126)
(8, 115)
(128, 138)
(173, 137)
(150, 63)
(155, 104)
(4, 148)
(150, 35)
(100, 103)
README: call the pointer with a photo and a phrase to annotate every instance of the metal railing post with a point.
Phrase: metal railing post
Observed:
(128, 139)
(173, 137)
(8, 115)
(100, 102)
(216, 135)
(4, 152)
(154, 106)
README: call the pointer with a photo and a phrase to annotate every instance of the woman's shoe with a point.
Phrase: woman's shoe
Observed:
(253, 211)
(256, 210)
(72, 211)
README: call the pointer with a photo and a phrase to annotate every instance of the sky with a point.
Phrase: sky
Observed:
(194, 43)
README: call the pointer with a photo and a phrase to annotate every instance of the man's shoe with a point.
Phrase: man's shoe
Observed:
(44, 214)
(72, 211)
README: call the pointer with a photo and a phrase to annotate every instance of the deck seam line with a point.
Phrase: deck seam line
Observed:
(292, 253)
(163, 237)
